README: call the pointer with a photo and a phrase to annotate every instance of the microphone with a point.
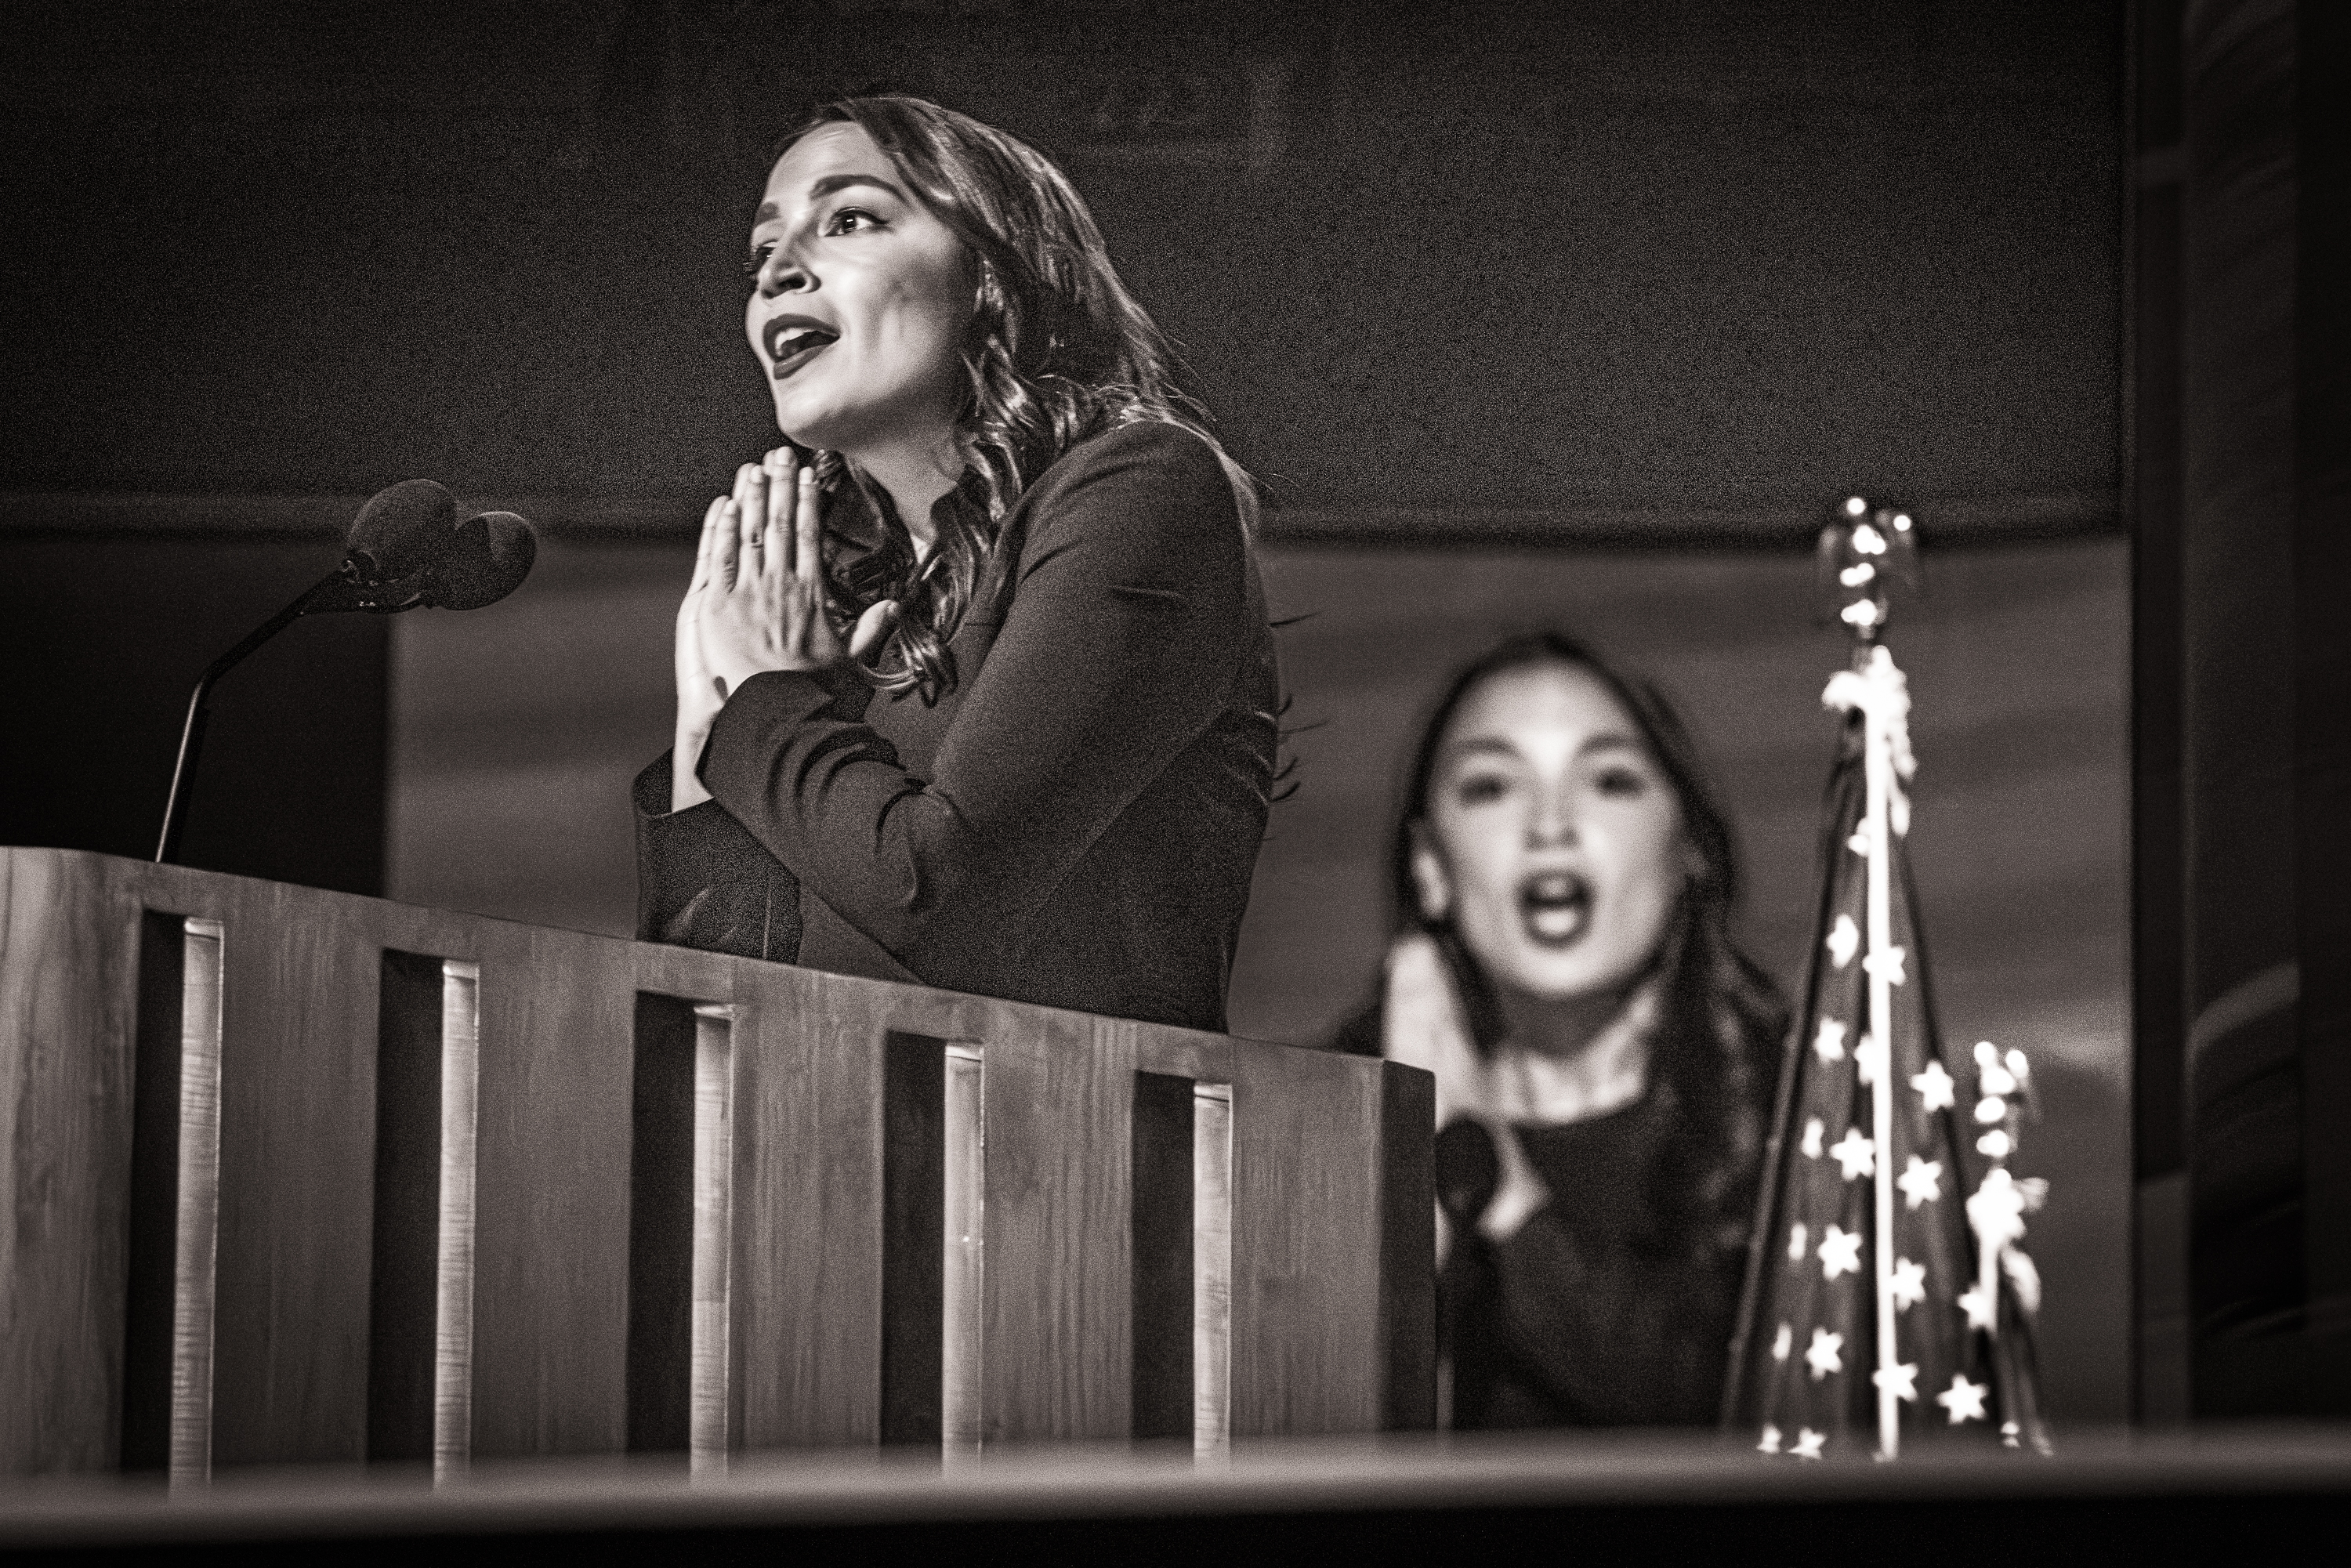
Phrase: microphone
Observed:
(405, 549)
(493, 555)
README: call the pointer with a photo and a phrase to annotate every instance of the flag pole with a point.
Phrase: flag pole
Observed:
(1877, 776)
(1876, 686)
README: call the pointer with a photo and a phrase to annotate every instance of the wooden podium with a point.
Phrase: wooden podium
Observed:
(292, 1176)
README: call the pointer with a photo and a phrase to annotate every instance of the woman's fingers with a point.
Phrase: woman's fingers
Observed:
(750, 513)
(808, 550)
(775, 524)
(762, 603)
(726, 542)
(714, 518)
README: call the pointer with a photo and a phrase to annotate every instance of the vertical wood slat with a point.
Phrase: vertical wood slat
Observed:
(709, 1409)
(1059, 1099)
(808, 1201)
(300, 975)
(1212, 1267)
(1306, 1352)
(551, 1192)
(195, 1274)
(963, 1236)
(452, 1315)
(70, 957)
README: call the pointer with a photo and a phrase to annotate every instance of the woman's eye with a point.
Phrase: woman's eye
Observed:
(1624, 783)
(851, 220)
(757, 261)
(1481, 789)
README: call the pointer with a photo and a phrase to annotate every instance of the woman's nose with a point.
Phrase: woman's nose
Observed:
(782, 273)
(1553, 821)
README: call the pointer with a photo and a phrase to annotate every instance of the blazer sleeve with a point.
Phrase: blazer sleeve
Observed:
(703, 881)
(1125, 630)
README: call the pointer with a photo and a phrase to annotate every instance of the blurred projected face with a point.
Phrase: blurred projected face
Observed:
(860, 299)
(1553, 840)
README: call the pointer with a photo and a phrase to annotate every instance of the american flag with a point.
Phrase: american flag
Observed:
(1888, 1298)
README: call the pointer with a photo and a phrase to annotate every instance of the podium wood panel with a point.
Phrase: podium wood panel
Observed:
(551, 1192)
(1306, 1355)
(68, 980)
(298, 980)
(1059, 1087)
(1330, 1294)
(808, 1212)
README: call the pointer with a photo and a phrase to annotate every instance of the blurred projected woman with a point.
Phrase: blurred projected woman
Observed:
(1603, 1054)
(974, 681)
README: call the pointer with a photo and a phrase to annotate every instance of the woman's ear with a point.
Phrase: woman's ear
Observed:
(1431, 885)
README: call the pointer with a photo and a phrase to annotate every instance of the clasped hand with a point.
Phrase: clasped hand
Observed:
(757, 601)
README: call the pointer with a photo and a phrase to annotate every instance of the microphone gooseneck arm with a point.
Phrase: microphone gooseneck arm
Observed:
(191, 734)
(406, 548)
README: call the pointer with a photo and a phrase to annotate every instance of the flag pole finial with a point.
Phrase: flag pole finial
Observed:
(1865, 551)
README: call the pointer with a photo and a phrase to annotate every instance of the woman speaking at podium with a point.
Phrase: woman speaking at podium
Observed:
(975, 682)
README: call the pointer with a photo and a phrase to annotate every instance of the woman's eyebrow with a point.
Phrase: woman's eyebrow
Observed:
(826, 187)
(1479, 745)
(1611, 741)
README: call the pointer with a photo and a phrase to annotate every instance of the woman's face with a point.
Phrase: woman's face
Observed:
(1553, 840)
(860, 300)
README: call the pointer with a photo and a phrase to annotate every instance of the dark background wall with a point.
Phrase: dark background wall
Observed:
(1500, 302)
(1705, 256)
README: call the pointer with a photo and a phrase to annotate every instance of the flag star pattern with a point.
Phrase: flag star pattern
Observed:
(1909, 1284)
(1939, 1281)
(1963, 1399)
(1921, 1182)
(1856, 1154)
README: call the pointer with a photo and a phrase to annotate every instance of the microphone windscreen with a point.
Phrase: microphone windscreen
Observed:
(403, 529)
(494, 553)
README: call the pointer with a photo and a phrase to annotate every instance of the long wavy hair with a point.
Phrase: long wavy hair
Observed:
(1720, 1018)
(1057, 350)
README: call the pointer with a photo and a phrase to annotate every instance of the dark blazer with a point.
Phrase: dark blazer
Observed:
(1074, 822)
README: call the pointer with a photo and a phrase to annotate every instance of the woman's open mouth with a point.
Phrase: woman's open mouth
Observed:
(794, 343)
(1555, 907)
